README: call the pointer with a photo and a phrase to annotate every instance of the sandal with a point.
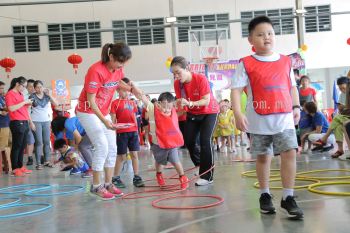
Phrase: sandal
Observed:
(337, 154)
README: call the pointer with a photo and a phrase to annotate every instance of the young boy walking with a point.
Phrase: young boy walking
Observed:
(272, 111)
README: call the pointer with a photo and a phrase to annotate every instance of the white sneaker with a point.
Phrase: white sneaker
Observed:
(223, 149)
(203, 182)
(237, 144)
(232, 150)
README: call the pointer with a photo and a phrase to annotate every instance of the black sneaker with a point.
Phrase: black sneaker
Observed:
(138, 182)
(290, 207)
(328, 148)
(266, 206)
(118, 182)
(30, 161)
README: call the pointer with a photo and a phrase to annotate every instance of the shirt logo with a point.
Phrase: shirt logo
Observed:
(93, 85)
(111, 84)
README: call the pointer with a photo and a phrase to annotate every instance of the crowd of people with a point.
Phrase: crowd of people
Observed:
(105, 131)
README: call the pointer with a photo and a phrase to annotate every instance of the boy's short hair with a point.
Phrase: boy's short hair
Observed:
(342, 80)
(30, 81)
(2, 83)
(59, 143)
(166, 96)
(304, 77)
(310, 107)
(258, 20)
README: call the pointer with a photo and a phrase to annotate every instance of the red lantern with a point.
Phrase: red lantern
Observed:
(348, 41)
(8, 64)
(75, 60)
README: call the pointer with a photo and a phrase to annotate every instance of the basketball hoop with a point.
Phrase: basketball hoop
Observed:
(209, 61)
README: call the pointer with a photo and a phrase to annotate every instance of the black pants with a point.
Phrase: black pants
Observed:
(182, 126)
(203, 157)
(19, 131)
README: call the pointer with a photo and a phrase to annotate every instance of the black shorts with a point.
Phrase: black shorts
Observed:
(144, 122)
(127, 140)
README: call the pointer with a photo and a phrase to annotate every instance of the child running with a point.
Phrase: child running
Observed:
(272, 112)
(166, 135)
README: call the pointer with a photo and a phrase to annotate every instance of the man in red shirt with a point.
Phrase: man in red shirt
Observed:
(123, 112)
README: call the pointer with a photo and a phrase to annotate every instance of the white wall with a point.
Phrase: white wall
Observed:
(326, 49)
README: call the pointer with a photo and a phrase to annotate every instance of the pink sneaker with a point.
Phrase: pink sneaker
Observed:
(102, 193)
(114, 190)
(17, 172)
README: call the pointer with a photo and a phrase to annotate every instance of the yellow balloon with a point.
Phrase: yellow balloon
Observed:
(168, 63)
(304, 47)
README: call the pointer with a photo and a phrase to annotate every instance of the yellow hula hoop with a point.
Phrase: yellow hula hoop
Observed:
(256, 184)
(312, 187)
(300, 174)
(252, 173)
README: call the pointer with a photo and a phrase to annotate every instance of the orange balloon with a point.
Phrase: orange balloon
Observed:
(170, 59)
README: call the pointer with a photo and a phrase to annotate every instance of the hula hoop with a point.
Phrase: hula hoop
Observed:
(33, 193)
(16, 200)
(40, 186)
(256, 184)
(164, 192)
(155, 202)
(300, 174)
(46, 207)
(252, 173)
(312, 187)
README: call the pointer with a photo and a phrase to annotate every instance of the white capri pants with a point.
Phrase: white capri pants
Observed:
(103, 140)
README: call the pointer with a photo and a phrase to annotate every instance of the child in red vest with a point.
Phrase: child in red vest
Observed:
(272, 111)
(166, 135)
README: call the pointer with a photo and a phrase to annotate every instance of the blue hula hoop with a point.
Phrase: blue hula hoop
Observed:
(10, 188)
(46, 207)
(16, 200)
(33, 193)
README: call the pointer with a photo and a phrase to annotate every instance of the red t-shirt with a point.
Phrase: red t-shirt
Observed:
(13, 98)
(125, 111)
(194, 91)
(179, 108)
(100, 81)
(307, 91)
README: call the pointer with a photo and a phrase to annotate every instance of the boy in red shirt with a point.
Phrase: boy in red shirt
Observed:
(123, 114)
(166, 135)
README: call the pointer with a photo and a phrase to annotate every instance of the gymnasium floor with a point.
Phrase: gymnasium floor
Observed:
(80, 212)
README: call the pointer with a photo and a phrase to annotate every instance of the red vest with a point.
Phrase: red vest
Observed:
(270, 83)
(167, 129)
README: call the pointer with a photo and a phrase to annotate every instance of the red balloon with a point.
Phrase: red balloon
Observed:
(348, 41)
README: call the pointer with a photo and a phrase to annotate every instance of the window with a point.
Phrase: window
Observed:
(145, 36)
(281, 26)
(318, 23)
(211, 22)
(26, 43)
(75, 39)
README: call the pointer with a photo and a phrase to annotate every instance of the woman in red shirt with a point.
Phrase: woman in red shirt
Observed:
(19, 123)
(101, 82)
(193, 91)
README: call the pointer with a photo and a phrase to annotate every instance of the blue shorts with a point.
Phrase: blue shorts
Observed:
(127, 140)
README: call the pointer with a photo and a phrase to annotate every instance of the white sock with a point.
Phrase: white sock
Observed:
(287, 192)
(96, 186)
(266, 190)
(107, 184)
